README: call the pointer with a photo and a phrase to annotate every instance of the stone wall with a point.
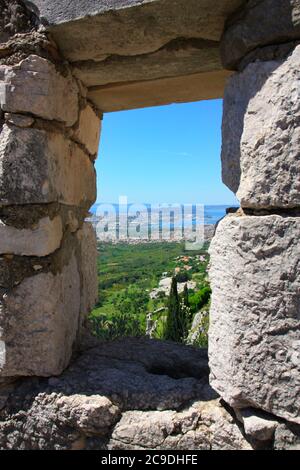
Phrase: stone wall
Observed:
(49, 133)
(137, 53)
(255, 316)
(49, 136)
(133, 394)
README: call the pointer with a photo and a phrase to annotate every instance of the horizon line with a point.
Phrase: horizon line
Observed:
(156, 203)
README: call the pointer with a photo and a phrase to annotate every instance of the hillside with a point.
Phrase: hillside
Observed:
(134, 284)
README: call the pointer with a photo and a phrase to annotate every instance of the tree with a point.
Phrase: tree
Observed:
(186, 313)
(174, 327)
(200, 299)
(186, 296)
(183, 276)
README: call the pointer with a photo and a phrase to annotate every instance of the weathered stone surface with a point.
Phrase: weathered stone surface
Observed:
(92, 414)
(39, 241)
(275, 52)
(19, 120)
(162, 358)
(88, 131)
(141, 45)
(39, 322)
(88, 269)
(15, 269)
(179, 57)
(15, 18)
(35, 43)
(287, 437)
(111, 399)
(257, 24)
(257, 425)
(81, 408)
(35, 86)
(140, 374)
(132, 95)
(254, 331)
(94, 29)
(202, 426)
(42, 167)
(261, 137)
(29, 216)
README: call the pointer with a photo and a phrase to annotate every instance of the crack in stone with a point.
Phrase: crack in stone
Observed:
(173, 45)
(132, 82)
(54, 127)
(283, 212)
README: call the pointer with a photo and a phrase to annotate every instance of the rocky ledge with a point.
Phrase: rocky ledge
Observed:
(132, 394)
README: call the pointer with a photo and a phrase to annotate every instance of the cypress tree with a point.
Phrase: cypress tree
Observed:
(186, 315)
(173, 327)
(186, 296)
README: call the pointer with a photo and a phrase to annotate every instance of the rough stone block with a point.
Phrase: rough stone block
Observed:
(259, 23)
(39, 241)
(254, 336)
(257, 424)
(19, 120)
(15, 18)
(177, 58)
(35, 86)
(120, 41)
(202, 426)
(95, 29)
(287, 437)
(167, 90)
(121, 399)
(88, 269)
(90, 414)
(39, 322)
(42, 167)
(261, 137)
(88, 131)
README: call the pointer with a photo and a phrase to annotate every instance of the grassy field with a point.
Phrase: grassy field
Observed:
(127, 274)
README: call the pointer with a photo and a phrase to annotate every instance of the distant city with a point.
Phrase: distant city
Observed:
(134, 223)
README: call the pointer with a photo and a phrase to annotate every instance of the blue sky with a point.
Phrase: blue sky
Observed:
(167, 154)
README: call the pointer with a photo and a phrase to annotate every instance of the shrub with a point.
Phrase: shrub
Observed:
(183, 277)
(121, 324)
(200, 299)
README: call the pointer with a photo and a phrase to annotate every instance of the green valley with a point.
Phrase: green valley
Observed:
(134, 282)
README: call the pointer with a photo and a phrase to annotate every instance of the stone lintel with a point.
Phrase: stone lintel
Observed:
(159, 92)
